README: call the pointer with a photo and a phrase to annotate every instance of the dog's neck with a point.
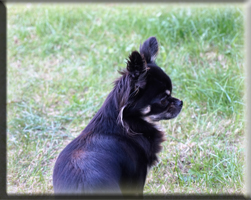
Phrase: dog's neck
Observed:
(145, 134)
(141, 130)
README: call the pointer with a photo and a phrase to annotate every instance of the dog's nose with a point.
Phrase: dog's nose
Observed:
(179, 103)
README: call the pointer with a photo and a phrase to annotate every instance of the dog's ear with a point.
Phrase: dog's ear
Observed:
(137, 68)
(150, 49)
(136, 65)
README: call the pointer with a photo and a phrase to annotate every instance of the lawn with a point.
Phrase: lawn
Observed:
(63, 59)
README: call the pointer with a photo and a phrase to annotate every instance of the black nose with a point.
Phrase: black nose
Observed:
(179, 103)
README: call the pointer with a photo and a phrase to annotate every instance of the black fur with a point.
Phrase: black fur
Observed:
(113, 152)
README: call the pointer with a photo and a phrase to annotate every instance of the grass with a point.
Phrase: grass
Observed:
(62, 60)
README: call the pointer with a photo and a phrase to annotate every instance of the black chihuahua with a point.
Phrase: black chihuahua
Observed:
(118, 146)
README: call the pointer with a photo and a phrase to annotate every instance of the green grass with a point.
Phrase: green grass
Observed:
(62, 60)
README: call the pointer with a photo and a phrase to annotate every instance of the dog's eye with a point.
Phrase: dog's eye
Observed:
(163, 101)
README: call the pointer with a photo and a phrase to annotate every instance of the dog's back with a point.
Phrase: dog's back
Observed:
(101, 163)
(102, 159)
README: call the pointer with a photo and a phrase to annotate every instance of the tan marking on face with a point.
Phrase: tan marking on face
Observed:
(149, 119)
(146, 110)
(168, 92)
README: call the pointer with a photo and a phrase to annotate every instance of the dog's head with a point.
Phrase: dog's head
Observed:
(148, 88)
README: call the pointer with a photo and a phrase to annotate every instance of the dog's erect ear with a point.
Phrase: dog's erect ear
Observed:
(149, 49)
(137, 68)
(136, 65)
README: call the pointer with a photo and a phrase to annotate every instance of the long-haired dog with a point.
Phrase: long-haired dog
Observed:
(113, 153)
